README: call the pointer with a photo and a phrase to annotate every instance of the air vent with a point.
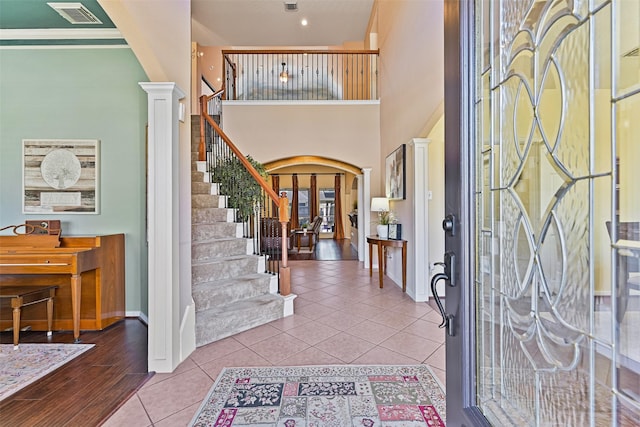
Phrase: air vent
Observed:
(633, 53)
(290, 6)
(75, 13)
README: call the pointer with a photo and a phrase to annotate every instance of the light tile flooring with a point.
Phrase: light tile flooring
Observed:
(341, 317)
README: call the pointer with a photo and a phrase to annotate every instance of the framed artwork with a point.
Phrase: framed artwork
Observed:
(395, 180)
(60, 176)
(395, 231)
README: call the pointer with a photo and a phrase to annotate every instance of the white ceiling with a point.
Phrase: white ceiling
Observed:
(266, 23)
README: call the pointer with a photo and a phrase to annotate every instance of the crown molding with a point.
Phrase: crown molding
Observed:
(60, 34)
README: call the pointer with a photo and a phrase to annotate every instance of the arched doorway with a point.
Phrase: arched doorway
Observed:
(314, 178)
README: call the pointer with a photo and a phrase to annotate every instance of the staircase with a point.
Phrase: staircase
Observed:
(230, 291)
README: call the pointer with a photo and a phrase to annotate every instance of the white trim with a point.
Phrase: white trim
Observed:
(140, 315)
(59, 33)
(188, 331)
(288, 304)
(418, 285)
(360, 219)
(364, 214)
(301, 102)
(166, 335)
(65, 46)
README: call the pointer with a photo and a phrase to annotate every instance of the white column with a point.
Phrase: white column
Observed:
(163, 225)
(420, 261)
(365, 214)
(360, 218)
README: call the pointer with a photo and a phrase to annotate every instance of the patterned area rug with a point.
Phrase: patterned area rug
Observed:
(30, 362)
(323, 396)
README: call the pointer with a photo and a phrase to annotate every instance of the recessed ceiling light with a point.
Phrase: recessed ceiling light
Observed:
(304, 22)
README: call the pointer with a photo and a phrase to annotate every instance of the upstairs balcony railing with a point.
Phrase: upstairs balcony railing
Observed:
(300, 75)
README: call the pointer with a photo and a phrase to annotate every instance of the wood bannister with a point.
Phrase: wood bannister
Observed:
(282, 202)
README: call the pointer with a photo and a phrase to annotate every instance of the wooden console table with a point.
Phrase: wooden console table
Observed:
(89, 272)
(382, 260)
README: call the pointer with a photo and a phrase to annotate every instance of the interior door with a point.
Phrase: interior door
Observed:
(542, 153)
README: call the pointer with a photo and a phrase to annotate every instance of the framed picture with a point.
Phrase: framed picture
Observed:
(395, 179)
(60, 176)
(395, 231)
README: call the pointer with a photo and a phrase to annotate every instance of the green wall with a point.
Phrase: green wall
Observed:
(86, 93)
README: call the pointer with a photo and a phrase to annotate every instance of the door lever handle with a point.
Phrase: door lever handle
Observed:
(434, 291)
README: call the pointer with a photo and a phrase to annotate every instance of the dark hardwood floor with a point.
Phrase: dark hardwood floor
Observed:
(85, 391)
(327, 250)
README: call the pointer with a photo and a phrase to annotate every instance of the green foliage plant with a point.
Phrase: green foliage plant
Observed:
(386, 218)
(239, 185)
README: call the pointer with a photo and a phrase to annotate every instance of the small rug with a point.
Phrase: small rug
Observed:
(322, 396)
(30, 362)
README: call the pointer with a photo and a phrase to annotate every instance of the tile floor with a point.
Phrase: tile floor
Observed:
(341, 317)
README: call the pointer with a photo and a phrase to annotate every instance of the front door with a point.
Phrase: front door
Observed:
(542, 140)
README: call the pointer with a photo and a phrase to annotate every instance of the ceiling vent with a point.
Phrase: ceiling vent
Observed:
(290, 5)
(75, 13)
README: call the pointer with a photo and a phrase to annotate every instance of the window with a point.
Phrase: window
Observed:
(327, 208)
(303, 204)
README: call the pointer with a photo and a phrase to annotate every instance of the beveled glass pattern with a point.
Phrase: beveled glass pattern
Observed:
(558, 213)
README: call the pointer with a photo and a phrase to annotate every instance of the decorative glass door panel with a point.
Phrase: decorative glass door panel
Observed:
(557, 204)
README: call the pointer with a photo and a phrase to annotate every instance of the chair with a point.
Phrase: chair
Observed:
(311, 237)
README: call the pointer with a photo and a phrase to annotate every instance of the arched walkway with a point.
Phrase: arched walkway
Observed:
(311, 160)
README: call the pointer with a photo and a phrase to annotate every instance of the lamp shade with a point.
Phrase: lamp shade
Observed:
(379, 204)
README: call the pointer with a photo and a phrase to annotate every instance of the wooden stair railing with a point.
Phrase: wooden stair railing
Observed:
(204, 103)
(281, 201)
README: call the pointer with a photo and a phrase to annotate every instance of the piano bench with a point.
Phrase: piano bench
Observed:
(22, 296)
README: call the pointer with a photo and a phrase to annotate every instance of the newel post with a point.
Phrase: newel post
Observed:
(285, 273)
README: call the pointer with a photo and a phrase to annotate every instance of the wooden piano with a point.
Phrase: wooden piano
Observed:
(89, 272)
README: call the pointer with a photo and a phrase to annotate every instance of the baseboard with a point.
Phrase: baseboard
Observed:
(140, 315)
(188, 331)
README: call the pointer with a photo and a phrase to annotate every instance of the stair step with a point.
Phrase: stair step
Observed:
(197, 176)
(223, 268)
(221, 322)
(218, 248)
(221, 293)
(209, 215)
(203, 188)
(216, 230)
(207, 201)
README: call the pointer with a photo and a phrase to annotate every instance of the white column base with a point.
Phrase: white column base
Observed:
(288, 304)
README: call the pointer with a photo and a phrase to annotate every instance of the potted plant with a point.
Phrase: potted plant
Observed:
(239, 185)
(384, 219)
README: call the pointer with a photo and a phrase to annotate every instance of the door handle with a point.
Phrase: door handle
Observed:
(434, 291)
(448, 276)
